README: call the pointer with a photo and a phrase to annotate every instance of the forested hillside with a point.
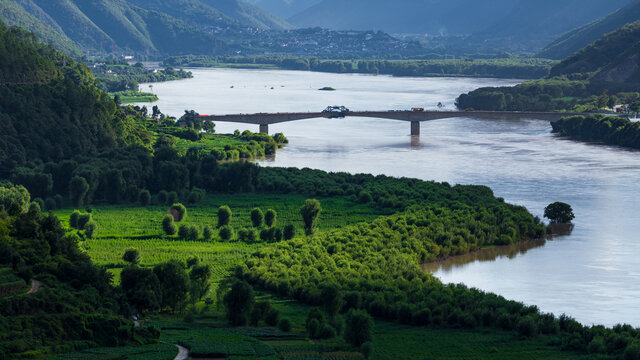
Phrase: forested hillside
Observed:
(601, 75)
(577, 39)
(284, 8)
(50, 107)
(108, 26)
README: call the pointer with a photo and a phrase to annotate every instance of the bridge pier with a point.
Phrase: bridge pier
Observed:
(264, 129)
(415, 128)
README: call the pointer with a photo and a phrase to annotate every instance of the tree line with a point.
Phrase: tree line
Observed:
(611, 130)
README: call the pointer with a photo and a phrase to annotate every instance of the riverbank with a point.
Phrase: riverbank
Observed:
(508, 68)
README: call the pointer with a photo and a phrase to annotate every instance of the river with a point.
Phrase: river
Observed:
(592, 274)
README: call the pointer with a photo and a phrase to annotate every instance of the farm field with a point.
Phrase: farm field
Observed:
(121, 227)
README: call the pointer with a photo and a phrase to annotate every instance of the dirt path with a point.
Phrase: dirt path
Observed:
(35, 286)
(183, 353)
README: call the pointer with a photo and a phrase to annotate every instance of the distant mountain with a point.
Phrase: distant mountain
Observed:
(577, 39)
(615, 58)
(215, 13)
(521, 24)
(284, 8)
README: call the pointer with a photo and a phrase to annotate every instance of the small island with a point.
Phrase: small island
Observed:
(327, 88)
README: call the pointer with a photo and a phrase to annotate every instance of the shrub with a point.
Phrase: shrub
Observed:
(277, 235)
(40, 203)
(90, 228)
(132, 256)
(50, 204)
(172, 197)
(359, 328)
(252, 235)
(526, 327)
(196, 195)
(183, 232)
(313, 327)
(178, 211)
(73, 219)
(289, 232)
(257, 217)
(224, 216)
(271, 317)
(34, 206)
(284, 325)
(310, 212)
(243, 234)
(168, 226)
(83, 219)
(194, 232)
(144, 197)
(325, 331)
(271, 218)
(226, 233)
(163, 196)
(207, 233)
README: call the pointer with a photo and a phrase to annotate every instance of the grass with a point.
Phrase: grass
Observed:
(209, 142)
(145, 352)
(131, 96)
(121, 227)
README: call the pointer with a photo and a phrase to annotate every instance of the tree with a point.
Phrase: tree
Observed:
(284, 325)
(331, 299)
(73, 219)
(257, 217)
(90, 229)
(207, 233)
(359, 327)
(270, 218)
(168, 226)
(132, 256)
(310, 212)
(144, 198)
(226, 233)
(174, 283)
(78, 189)
(224, 215)
(559, 213)
(199, 277)
(178, 211)
(141, 288)
(289, 232)
(239, 302)
(183, 232)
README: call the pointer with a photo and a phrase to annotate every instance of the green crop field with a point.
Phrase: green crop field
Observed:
(122, 227)
(145, 352)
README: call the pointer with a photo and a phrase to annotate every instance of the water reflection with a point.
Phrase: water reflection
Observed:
(415, 142)
(488, 254)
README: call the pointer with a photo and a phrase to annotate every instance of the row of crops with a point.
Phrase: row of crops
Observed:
(145, 352)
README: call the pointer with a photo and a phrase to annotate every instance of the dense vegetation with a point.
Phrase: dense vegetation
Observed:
(499, 68)
(609, 130)
(600, 75)
(117, 75)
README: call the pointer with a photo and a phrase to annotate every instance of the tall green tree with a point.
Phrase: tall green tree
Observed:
(239, 302)
(310, 212)
(174, 283)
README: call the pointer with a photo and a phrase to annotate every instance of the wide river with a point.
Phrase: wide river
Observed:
(592, 274)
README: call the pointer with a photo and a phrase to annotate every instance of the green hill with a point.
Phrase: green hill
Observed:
(108, 26)
(577, 39)
(613, 58)
(66, 112)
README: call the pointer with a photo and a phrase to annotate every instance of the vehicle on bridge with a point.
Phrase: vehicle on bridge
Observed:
(417, 109)
(336, 111)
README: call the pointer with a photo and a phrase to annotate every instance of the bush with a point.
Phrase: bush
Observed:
(257, 217)
(144, 197)
(196, 195)
(224, 216)
(226, 233)
(132, 256)
(326, 331)
(313, 327)
(526, 327)
(284, 325)
(207, 233)
(252, 235)
(90, 229)
(277, 235)
(83, 219)
(178, 211)
(163, 197)
(50, 204)
(40, 203)
(194, 232)
(289, 232)
(73, 219)
(359, 328)
(183, 232)
(271, 317)
(168, 226)
(270, 218)
(172, 197)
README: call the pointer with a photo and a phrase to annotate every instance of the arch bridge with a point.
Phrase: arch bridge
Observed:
(413, 117)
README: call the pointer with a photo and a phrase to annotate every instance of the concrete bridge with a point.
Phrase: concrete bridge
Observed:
(414, 117)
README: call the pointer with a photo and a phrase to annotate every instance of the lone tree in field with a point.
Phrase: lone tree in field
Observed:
(239, 303)
(178, 211)
(168, 225)
(559, 213)
(132, 256)
(257, 217)
(310, 212)
(359, 327)
(78, 189)
(224, 216)
(270, 218)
